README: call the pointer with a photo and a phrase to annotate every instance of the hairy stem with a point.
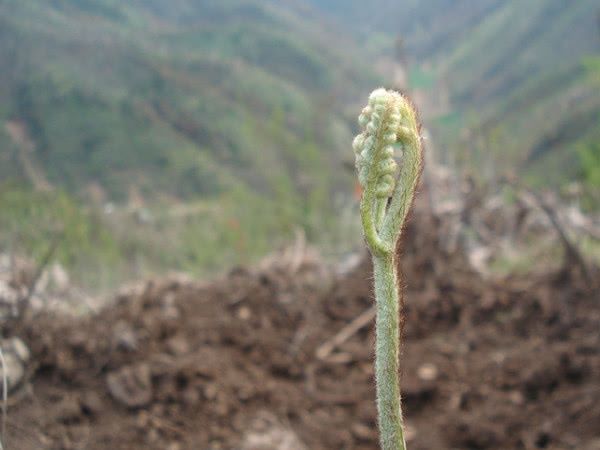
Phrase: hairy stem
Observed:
(388, 119)
(380, 212)
(387, 346)
(404, 193)
(376, 245)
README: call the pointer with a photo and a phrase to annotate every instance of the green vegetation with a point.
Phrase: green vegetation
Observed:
(419, 78)
(177, 100)
(589, 156)
(588, 149)
(513, 72)
(388, 121)
(105, 248)
(30, 221)
(518, 77)
(215, 113)
(227, 112)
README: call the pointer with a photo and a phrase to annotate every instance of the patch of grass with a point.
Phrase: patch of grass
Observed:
(103, 248)
(421, 78)
(452, 121)
(30, 221)
(589, 162)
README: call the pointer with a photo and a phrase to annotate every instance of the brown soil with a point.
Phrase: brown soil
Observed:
(510, 364)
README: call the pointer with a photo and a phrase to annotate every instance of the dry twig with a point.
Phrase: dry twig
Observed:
(345, 333)
(23, 303)
(572, 253)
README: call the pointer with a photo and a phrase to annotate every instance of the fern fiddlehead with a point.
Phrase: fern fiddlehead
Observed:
(388, 122)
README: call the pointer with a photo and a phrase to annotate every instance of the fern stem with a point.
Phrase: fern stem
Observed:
(387, 349)
(387, 120)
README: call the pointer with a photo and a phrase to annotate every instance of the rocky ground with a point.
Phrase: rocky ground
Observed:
(279, 356)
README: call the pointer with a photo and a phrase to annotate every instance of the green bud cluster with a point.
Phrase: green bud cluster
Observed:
(380, 121)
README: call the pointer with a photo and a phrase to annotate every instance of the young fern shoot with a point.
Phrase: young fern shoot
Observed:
(388, 122)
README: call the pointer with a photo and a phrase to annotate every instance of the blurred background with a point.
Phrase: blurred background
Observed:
(192, 135)
(140, 139)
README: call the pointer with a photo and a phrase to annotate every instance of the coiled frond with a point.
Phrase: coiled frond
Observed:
(389, 124)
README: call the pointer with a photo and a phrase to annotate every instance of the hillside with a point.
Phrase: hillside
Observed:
(515, 74)
(215, 130)
(529, 100)
(169, 98)
(210, 129)
(425, 27)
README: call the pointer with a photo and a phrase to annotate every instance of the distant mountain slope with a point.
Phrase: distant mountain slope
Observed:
(520, 84)
(178, 98)
(517, 42)
(514, 72)
(172, 134)
(426, 26)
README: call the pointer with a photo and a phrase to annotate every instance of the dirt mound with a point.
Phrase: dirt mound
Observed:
(280, 357)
